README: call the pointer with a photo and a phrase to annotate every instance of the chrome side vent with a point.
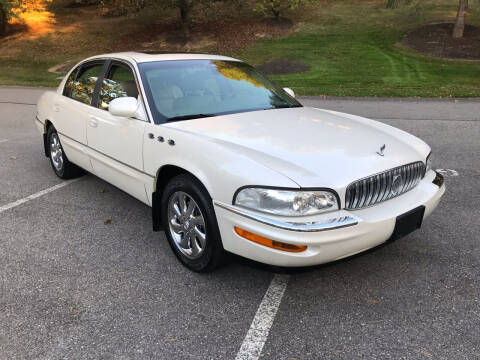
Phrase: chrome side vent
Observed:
(383, 186)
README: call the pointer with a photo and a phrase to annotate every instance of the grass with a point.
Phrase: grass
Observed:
(350, 45)
(365, 64)
(27, 72)
(356, 53)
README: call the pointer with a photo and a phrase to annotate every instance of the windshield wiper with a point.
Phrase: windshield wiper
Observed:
(281, 106)
(190, 117)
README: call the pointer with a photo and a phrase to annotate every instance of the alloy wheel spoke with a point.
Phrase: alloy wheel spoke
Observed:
(194, 245)
(200, 236)
(185, 241)
(191, 208)
(197, 220)
(175, 226)
(177, 210)
(183, 203)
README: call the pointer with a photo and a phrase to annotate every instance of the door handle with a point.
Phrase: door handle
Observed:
(93, 122)
(56, 107)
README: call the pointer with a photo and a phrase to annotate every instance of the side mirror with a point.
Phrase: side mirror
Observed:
(124, 107)
(289, 92)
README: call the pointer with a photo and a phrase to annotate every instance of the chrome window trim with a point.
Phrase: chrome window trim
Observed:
(331, 224)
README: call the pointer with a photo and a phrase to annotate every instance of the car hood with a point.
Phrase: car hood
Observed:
(312, 147)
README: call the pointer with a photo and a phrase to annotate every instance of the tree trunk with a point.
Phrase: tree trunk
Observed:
(3, 22)
(275, 6)
(184, 6)
(460, 22)
(276, 13)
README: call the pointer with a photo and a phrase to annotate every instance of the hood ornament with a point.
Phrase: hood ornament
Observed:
(381, 150)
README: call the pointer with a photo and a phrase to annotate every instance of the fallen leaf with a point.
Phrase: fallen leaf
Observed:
(13, 158)
(108, 221)
(423, 352)
(102, 190)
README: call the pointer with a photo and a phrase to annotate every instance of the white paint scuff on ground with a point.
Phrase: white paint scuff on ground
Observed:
(448, 172)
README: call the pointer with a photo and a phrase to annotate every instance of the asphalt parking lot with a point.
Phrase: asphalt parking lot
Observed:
(76, 286)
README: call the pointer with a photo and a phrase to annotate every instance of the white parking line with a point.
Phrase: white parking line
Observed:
(35, 196)
(257, 335)
(3, 140)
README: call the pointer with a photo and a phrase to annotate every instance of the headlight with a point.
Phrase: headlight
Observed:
(287, 202)
(429, 163)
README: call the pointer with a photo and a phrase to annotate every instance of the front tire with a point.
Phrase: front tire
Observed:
(62, 167)
(190, 224)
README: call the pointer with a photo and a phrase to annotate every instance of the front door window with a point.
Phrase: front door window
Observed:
(119, 82)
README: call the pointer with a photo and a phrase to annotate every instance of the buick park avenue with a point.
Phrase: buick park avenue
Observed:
(229, 161)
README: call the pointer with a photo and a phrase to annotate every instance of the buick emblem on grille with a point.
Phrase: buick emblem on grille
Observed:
(396, 184)
(381, 150)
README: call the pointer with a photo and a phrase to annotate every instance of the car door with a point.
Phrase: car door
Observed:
(71, 111)
(116, 142)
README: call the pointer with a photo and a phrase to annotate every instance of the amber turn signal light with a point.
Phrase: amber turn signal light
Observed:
(269, 243)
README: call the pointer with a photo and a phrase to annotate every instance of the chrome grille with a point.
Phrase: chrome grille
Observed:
(383, 186)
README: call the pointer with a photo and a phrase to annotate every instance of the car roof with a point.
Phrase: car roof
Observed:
(140, 57)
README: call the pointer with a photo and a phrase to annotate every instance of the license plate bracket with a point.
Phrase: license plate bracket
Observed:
(408, 222)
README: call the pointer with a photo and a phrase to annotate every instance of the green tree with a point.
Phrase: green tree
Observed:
(277, 7)
(6, 13)
(185, 8)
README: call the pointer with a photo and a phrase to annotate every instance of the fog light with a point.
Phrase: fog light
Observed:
(268, 242)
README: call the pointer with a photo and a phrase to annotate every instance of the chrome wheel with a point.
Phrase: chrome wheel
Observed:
(56, 153)
(186, 225)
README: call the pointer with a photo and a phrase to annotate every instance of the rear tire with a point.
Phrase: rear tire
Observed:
(190, 224)
(62, 167)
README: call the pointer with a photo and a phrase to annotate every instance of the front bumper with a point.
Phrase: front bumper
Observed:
(328, 237)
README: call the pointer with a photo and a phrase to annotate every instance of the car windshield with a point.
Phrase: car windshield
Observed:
(189, 89)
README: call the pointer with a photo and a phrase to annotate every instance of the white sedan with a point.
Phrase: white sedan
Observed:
(227, 160)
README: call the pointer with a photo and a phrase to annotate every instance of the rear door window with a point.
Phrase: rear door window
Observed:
(83, 87)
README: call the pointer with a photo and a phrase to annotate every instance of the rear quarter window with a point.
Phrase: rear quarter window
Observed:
(67, 90)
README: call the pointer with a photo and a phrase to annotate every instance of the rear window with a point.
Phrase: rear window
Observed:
(67, 90)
